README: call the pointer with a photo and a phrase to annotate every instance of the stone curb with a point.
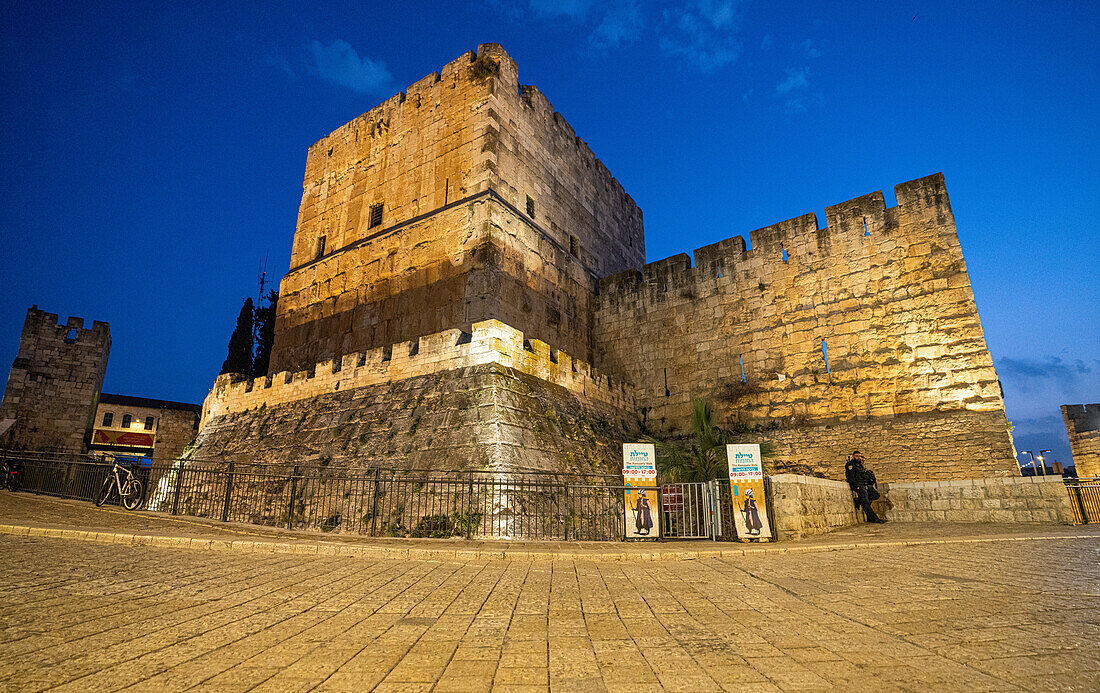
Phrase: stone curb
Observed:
(447, 554)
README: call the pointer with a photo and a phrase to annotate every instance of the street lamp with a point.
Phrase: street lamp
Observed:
(1043, 460)
(1032, 455)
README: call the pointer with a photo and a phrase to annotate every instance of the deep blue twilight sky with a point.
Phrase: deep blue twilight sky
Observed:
(153, 153)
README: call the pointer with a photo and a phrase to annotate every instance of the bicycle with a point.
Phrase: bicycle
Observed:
(121, 481)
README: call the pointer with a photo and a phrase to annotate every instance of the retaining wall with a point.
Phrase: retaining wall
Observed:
(804, 506)
(1019, 499)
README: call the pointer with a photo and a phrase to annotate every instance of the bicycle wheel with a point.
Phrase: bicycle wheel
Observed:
(131, 495)
(104, 492)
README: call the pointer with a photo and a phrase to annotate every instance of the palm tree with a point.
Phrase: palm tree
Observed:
(702, 457)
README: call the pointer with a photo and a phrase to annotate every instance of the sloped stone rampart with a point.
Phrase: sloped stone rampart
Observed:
(491, 342)
(483, 417)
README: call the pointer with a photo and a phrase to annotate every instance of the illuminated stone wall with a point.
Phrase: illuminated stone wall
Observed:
(884, 292)
(492, 208)
(490, 400)
(1083, 428)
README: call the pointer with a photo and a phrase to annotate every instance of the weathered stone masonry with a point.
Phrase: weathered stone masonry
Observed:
(486, 400)
(1083, 428)
(467, 200)
(54, 382)
(882, 291)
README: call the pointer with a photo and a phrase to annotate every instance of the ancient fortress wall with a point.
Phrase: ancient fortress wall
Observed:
(491, 342)
(54, 382)
(1083, 428)
(453, 161)
(490, 400)
(886, 293)
(534, 153)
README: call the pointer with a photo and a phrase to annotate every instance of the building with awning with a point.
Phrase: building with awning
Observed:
(140, 425)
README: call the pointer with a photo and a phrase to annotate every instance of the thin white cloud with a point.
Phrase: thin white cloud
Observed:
(703, 32)
(622, 25)
(797, 78)
(808, 49)
(337, 62)
(576, 9)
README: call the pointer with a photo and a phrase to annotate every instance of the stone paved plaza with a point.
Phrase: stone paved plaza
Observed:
(997, 615)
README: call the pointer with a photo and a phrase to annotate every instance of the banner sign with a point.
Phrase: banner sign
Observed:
(102, 437)
(640, 476)
(747, 487)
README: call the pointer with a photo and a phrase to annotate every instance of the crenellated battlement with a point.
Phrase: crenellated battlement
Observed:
(490, 342)
(862, 221)
(46, 325)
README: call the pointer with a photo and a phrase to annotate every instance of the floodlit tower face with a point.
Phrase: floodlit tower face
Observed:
(466, 198)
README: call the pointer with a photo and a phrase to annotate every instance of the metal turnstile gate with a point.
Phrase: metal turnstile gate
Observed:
(690, 510)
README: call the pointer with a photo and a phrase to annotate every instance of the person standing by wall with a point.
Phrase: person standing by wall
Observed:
(862, 482)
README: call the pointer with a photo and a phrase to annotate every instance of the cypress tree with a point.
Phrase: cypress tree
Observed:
(265, 334)
(239, 359)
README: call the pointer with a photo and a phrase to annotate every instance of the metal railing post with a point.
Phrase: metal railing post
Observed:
(374, 502)
(179, 486)
(290, 502)
(228, 492)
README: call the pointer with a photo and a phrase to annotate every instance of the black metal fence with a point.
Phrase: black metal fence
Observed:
(1084, 498)
(389, 502)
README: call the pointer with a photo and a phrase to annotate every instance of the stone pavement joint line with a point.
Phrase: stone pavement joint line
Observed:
(659, 552)
(988, 615)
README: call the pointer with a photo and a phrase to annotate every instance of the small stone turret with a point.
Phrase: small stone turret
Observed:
(54, 383)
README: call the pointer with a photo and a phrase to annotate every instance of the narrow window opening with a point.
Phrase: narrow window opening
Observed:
(573, 246)
(865, 231)
(108, 418)
(71, 335)
(414, 347)
(784, 253)
(387, 353)
(719, 270)
(668, 392)
(126, 419)
(375, 215)
(148, 423)
(446, 190)
(320, 247)
(530, 207)
(825, 355)
(741, 362)
(330, 150)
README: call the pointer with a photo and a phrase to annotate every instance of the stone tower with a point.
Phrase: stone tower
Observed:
(1083, 428)
(465, 198)
(54, 383)
(468, 289)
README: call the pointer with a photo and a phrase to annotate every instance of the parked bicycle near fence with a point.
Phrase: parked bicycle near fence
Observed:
(121, 483)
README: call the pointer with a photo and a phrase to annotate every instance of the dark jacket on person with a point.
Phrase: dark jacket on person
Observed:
(858, 475)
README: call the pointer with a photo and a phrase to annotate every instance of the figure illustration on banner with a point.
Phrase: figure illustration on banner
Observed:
(752, 515)
(643, 520)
